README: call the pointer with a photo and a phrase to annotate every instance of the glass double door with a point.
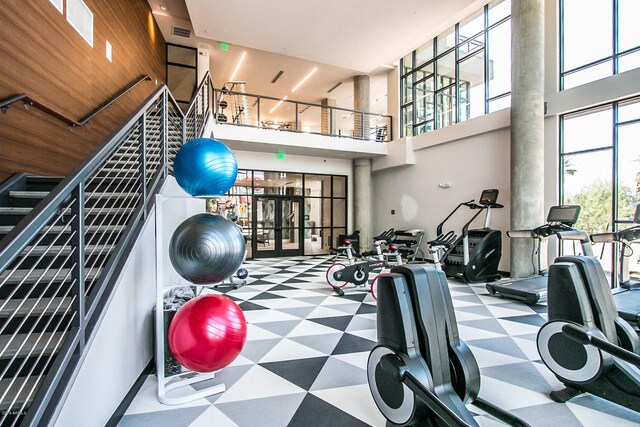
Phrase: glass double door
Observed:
(277, 226)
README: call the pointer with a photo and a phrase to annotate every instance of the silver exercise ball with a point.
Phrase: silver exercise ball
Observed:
(207, 248)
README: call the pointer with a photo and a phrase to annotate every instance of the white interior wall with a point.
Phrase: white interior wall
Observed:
(303, 164)
(122, 345)
(467, 165)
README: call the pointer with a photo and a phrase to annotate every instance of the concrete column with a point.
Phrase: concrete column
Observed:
(527, 127)
(362, 206)
(361, 101)
(327, 119)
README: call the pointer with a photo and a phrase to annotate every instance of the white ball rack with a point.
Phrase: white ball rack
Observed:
(174, 389)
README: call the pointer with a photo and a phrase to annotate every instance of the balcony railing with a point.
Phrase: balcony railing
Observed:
(259, 111)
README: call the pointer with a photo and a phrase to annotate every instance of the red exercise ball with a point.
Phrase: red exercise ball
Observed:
(207, 333)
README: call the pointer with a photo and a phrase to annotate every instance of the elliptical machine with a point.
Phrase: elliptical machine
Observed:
(584, 343)
(474, 256)
(421, 373)
(627, 295)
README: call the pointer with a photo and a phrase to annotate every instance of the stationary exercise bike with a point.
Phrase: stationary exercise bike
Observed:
(584, 343)
(339, 275)
(421, 373)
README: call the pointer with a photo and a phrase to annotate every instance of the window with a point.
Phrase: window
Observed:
(463, 73)
(598, 40)
(600, 170)
(324, 203)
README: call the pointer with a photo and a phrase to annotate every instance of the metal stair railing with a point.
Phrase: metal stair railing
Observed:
(59, 264)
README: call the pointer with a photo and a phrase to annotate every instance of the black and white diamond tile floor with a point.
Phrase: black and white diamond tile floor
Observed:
(304, 362)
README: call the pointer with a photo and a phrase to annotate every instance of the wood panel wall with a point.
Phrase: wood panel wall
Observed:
(43, 56)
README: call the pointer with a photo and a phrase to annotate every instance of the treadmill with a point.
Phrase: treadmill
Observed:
(627, 293)
(533, 289)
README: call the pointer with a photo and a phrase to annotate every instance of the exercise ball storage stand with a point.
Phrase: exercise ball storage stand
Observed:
(174, 389)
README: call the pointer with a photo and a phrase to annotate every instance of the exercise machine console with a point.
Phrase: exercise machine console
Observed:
(560, 221)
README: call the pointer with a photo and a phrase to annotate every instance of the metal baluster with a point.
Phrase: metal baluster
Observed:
(78, 272)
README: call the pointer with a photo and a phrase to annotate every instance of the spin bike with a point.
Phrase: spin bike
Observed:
(339, 274)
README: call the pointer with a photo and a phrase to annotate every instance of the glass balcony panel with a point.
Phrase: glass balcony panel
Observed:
(237, 108)
(277, 115)
(313, 119)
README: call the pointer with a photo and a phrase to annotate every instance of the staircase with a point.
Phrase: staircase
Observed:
(61, 243)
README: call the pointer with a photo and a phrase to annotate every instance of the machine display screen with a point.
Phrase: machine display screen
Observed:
(566, 214)
(489, 197)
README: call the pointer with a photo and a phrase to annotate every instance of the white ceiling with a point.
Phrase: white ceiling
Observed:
(342, 38)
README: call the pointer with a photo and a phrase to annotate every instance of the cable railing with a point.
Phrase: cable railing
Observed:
(30, 101)
(266, 112)
(59, 264)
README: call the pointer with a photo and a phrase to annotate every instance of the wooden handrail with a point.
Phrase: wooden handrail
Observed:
(30, 101)
(115, 98)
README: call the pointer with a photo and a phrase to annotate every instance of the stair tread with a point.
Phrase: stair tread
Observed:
(34, 343)
(42, 194)
(29, 303)
(63, 250)
(4, 229)
(27, 210)
(47, 275)
(15, 384)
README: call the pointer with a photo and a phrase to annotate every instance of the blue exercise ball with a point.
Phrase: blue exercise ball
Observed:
(207, 248)
(205, 167)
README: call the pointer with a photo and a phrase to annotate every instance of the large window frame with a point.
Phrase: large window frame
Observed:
(613, 148)
(614, 58)
(447, 107)
(338, 195)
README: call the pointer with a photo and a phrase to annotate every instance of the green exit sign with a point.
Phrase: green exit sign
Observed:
(224, 46)
(281, 155)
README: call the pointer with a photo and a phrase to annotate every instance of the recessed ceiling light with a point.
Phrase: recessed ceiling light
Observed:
(277, 105)
(244, 54)
(305, 79)
(163, 7)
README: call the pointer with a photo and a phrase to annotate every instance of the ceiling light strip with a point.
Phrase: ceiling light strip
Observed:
(277, 105)
(233, 76)
(305, 79)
